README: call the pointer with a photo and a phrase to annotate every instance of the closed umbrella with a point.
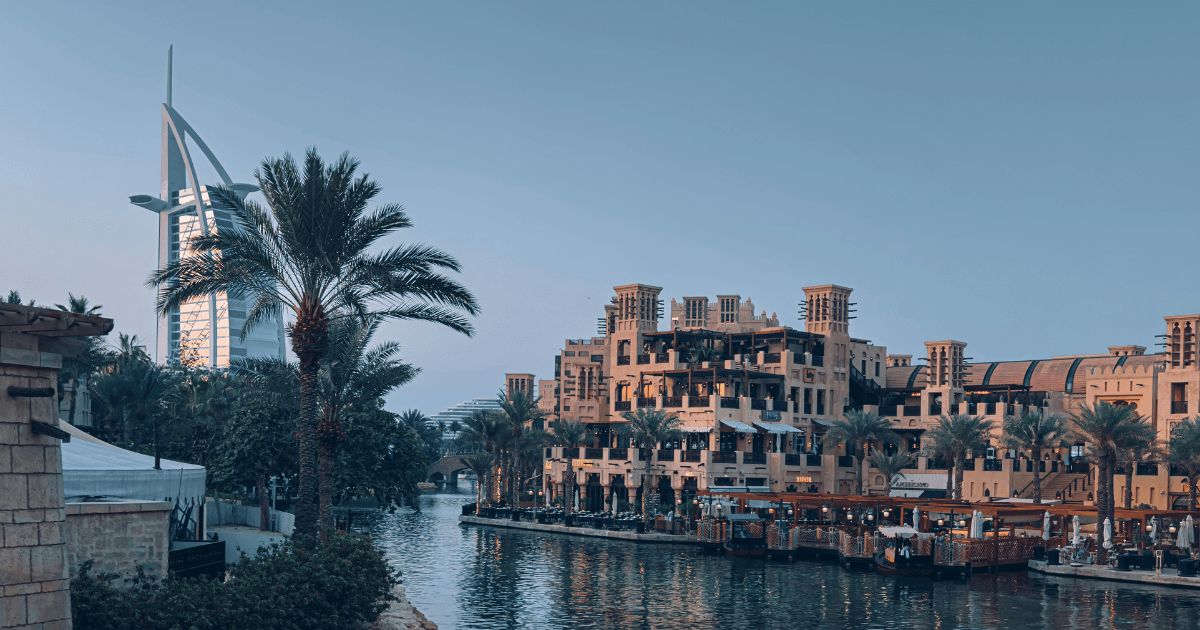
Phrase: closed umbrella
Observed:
(1183, 540)
(1046, 527)
(979, 524)
(1154, 531)
(576, 499)
(1075, 526)
(916, 519)
(1107, 533)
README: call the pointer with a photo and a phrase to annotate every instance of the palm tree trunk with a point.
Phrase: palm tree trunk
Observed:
(264, 504)
(950, 480)
(568, 501)
(858, 470)
(1192, 492)
(1037, 475)
(1128, 498)
(306, 506)
(646, 491)
(958, 477)
(325, 484)
(1103, 510)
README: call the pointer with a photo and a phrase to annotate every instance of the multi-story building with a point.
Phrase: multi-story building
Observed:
(755, 399)
(1159, 387)
(753, 396)
(205, 331)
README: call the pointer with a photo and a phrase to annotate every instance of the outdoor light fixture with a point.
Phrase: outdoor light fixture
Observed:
(824, 508)
(941, 522)
(1149, 527)
(1172, 530)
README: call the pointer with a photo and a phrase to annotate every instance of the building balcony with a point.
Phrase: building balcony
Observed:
(818, 361)
(666, 455)
(643, 359)
(798, 358)
(662, 357)
(623, 405)
(845, 461)
(622, 359)
(690, 456)
(723, 457)
(618, 454)
(649, 402)
(772, 357)
(1179, 406)
(672, 401)
(792, 459)
(729, 403)
(758, 403)
(698, 401)
(812, 459)
(754, 458)
(912, 410)
(593, 453)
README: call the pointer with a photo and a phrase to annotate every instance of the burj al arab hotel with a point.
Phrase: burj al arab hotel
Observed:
(207, 331)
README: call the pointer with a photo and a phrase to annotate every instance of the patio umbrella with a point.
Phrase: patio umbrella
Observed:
(576, 499)
(1107, 533)
(976, 524)
(1075, 526)
(916, 519)
(1153, 531)
(1184, 540)
(1046, 527)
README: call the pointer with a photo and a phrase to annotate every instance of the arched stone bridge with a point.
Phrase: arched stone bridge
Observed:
(446, 469)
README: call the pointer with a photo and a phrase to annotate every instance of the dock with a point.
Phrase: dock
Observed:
(577, 531)
(1168, 577)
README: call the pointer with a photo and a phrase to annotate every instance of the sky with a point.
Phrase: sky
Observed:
(1020, 175)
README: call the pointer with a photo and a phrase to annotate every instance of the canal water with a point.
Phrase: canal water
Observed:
(471, 577)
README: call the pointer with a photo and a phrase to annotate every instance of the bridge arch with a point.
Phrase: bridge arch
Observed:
(446, 469)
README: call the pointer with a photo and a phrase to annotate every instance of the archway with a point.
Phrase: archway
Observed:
(666, 494)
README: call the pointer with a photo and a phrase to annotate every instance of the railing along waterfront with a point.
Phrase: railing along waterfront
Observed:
(818, 537)
(712, 531)
(785, 540)
(852, 546)
(984, 552)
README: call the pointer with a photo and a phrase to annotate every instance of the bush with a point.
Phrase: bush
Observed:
(326, 583)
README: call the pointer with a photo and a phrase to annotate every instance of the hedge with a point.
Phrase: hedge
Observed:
(328, 582)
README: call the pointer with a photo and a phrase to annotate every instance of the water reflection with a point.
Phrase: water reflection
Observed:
(477, 577)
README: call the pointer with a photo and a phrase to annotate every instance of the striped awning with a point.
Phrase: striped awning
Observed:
(777, 427)
(695, 429)
(740, 427)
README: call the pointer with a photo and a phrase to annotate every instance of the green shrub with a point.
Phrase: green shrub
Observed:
(326, 583)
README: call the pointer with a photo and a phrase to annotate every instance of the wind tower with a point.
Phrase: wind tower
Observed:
(206, 331)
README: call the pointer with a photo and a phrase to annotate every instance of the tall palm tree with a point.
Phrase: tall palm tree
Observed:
(962, 434)
(352, 373)
(1137, 450)
(1106, 428)
(308, 254)
(649, 428)
(520, 409)
(891, 466)
(1035, 431)
(78, 369)
(570, 434)
(481, 465)
(1185, 453)
(859, 431)
(487, 429)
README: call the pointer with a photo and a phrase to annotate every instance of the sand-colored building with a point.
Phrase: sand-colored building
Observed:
(753, 396)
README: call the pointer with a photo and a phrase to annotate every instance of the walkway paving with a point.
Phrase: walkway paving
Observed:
(577, 531)
(1169, 577)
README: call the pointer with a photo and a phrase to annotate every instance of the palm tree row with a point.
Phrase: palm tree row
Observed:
(309, 254)
(511, 445)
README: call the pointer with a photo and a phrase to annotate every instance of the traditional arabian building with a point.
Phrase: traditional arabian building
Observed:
(206, 331)
(755, 398)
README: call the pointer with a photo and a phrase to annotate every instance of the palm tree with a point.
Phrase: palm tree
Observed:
(1106, 428)
(351, 374)
(650, 427)
(486, 429)
(959, 435)
(14, 297)
(481, 465)
(1136, 450)
(1185, 453)
(520, 409)
(570, 434)
(1035, 431)
(890, 466)
(859, 431)
(78, 369)
(308, 254)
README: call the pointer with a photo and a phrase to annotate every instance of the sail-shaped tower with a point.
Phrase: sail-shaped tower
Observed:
(207, 331)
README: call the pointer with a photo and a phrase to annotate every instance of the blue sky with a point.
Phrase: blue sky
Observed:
(1020, 176)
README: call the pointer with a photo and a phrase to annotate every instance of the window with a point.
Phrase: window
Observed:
(876, 369)
(1179, 403)
(820, 402)
(569, 353)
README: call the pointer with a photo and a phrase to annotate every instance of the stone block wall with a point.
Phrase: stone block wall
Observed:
(118, 536)
(33, 568)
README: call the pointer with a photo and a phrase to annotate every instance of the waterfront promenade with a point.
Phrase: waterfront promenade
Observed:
(1167, 577)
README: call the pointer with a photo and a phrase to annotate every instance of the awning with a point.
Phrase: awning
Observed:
(898, 531)
(755, 503)
(93, 468)
(777, 427)
(738, 426)
(695, 429)
(822, 422)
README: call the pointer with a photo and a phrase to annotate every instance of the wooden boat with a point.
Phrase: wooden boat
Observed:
(901, 557)
(748, 538)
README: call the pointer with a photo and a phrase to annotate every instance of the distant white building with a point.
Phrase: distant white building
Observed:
(461, 412)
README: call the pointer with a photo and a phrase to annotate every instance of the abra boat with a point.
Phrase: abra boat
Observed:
(910, 554)
(747, 537)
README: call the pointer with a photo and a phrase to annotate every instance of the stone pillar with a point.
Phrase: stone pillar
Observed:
(33, 568)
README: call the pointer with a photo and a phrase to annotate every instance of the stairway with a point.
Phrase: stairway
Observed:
(1073, 486)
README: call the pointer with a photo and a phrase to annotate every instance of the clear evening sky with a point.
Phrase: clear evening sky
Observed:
(1017, 175)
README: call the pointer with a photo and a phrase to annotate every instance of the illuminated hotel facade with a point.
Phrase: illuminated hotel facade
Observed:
(206, 331)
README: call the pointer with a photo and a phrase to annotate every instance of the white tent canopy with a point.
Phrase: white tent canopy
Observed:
(93, 468)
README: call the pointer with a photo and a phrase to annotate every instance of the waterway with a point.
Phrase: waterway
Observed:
(470, 577)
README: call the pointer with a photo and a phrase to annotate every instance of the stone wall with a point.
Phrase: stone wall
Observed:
(33, 570)
(118, 536)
